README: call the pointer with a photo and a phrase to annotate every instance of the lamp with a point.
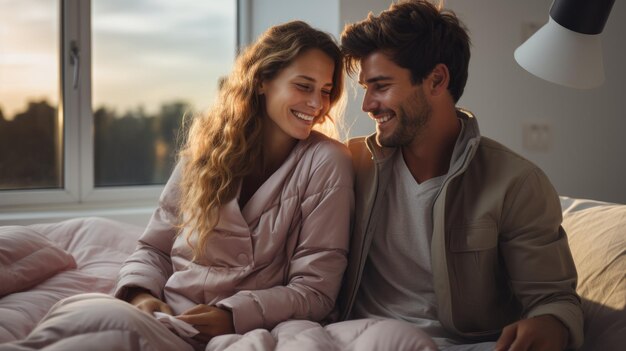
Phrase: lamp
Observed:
(567, 50)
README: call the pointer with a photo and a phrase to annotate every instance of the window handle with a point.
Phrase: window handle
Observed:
(74, 61)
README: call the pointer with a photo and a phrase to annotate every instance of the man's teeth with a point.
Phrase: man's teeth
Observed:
(303, 116)
(383, 119)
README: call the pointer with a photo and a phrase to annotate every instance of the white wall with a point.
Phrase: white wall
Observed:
(322, 14)
(588, 150)
(353, 11)
(587, 153)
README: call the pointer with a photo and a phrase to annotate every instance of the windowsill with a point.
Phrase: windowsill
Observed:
(134, 213)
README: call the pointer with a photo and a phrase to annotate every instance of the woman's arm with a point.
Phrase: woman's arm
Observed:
(150, 266)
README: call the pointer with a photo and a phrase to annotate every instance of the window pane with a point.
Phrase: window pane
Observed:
(30, 142)
(153, 61)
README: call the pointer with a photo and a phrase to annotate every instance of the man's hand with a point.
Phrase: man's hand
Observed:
(148, 303)
(542, 333)
(210, 321)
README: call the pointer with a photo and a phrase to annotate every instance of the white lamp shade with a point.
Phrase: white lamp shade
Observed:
(562, 56)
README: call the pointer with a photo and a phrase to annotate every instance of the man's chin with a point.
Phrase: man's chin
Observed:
(384, 141)
(393, 140)
(380, 139)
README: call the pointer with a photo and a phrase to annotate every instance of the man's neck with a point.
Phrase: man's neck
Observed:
(429, 155)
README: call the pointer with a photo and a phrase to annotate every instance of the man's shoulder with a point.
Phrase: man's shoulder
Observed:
(362, 158)
(358, 147)
(497, 152)
(357, 142)
(494, 159)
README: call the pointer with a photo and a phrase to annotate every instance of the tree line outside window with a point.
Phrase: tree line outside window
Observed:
(131, 148)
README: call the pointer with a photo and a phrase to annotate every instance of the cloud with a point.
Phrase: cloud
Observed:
(136, 45)
(160, 50)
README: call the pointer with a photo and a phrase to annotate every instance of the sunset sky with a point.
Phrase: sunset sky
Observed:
(144, 52)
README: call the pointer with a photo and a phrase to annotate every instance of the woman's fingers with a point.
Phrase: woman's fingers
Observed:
(210, 321)
(165, 308)
(149, 304)
(197, 309)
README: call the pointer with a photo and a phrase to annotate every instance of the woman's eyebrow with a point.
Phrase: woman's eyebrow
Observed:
(311, 79)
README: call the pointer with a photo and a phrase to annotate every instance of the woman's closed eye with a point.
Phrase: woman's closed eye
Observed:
(308, 87)
(303, 87)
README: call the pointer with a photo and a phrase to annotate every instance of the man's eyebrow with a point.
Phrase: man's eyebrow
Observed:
(374, 80)
(310, 79)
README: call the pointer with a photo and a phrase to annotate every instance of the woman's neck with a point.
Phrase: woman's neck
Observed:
(276, 147)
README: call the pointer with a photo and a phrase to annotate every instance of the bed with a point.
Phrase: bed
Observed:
(43, 263)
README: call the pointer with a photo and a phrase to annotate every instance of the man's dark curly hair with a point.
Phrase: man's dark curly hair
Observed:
(415, 35)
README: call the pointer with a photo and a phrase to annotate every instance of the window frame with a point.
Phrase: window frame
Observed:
(67, 119)
(76, 121)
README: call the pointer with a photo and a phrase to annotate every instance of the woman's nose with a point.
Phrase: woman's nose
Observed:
(315, 101)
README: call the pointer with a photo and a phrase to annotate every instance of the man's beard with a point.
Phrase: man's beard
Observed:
(412, 119)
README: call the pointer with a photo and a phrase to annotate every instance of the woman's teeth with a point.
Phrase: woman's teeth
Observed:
(303, 116)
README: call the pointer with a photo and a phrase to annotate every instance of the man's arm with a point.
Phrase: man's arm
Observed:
(540, 267)
(542, 333)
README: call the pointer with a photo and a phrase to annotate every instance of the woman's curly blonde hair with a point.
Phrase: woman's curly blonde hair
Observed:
(223, 143)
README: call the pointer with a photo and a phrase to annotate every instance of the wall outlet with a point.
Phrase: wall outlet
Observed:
(537, 136)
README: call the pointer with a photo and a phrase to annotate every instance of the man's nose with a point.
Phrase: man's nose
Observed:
(369, 103)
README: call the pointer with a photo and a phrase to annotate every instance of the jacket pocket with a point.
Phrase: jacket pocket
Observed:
(477, 288)
(476, 236)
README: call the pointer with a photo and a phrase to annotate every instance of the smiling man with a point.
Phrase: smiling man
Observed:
(454, 233)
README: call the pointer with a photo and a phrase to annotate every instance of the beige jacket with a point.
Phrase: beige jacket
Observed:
(280, 257)
(498, 251)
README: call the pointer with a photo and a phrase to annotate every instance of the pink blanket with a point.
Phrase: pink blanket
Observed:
(49, 262)
(98, 246)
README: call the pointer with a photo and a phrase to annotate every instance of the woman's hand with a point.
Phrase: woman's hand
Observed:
(210, 321)
(147, 303)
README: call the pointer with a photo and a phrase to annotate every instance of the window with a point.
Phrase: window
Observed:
(30, 141)
(92, 93)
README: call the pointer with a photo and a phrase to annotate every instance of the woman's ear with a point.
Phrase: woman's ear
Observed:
(438, 79)
(260, 90)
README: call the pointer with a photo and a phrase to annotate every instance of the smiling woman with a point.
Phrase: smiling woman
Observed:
(78, 124)
(300, 95)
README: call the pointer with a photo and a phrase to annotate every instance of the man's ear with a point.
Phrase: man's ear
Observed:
(438, 79)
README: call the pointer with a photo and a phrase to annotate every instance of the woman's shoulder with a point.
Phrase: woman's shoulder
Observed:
(327, 158)
(323, 147)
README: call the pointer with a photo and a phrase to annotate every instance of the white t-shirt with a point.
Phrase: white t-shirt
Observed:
(397, 279)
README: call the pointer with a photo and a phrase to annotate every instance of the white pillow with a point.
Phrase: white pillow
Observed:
(597, 237)
(27, 258)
